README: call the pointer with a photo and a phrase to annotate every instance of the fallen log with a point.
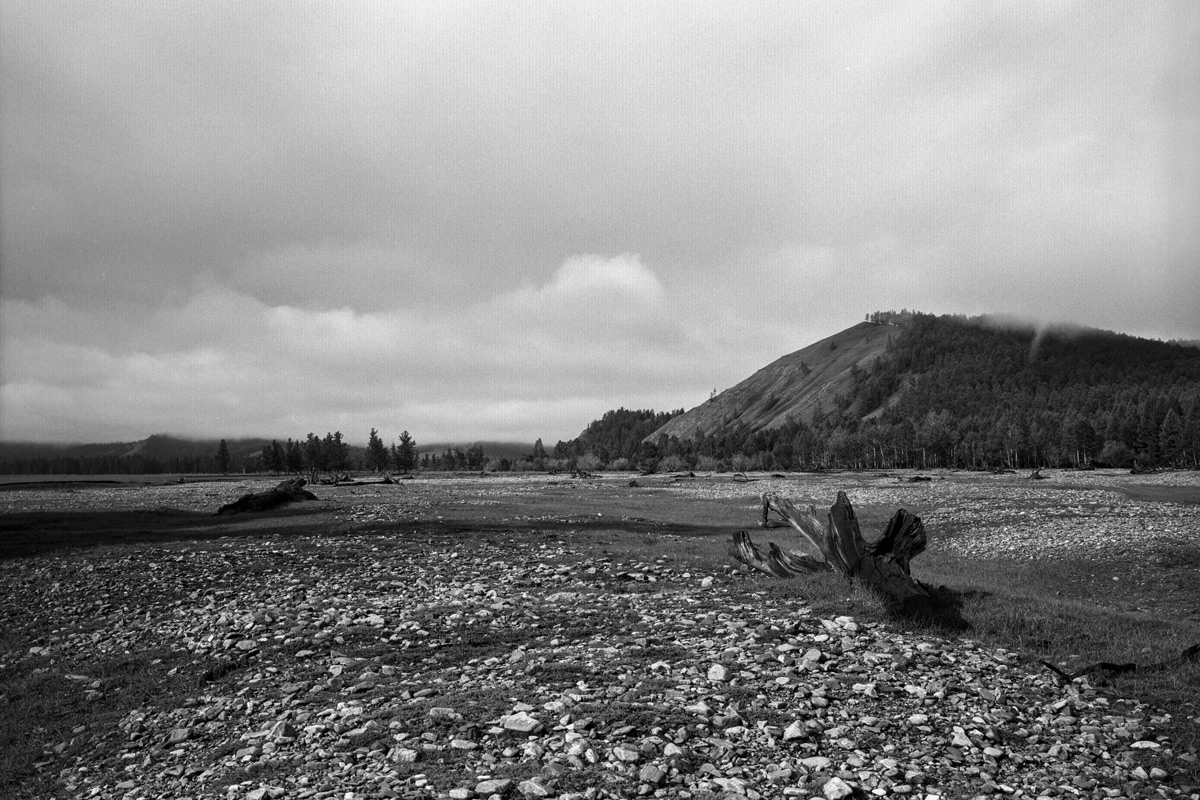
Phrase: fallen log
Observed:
(838, 546)
(288, 491)
(1106, 669)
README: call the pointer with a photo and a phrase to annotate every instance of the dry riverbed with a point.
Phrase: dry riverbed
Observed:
(538, 636)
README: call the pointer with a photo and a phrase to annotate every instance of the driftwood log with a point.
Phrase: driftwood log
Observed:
(288, 491)
(838, 545)
(1104, 670)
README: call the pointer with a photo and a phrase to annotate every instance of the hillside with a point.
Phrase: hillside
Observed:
(917, 390)
(794, 388)
(159, 453)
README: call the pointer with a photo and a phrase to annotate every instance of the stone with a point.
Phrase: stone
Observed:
(795, 732)
(283, 730)
(443, 714)
(178, 735)
(735, 785)
(836, 789)
(533, 788)
(626, 754)
(521, 723)
(500, 786)
(718, 673)
(653, 775)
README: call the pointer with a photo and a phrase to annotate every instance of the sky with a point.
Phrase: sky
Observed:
(498, 220)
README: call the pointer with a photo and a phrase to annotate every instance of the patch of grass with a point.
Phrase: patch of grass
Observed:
(41, 709)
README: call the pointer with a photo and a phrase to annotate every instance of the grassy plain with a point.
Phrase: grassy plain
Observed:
(1072, 570)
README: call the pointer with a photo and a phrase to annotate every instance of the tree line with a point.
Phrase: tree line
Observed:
(331, 454)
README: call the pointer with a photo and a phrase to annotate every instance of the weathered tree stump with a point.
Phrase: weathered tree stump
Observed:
(838, 545)
(288, 491)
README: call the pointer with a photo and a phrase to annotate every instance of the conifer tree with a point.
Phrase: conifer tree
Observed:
(377, 454)
(405, 453)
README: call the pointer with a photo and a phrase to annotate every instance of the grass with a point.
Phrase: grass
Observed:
(41, 709)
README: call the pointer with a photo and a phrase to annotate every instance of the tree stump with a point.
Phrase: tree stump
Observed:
(288, 491)
(838, 545)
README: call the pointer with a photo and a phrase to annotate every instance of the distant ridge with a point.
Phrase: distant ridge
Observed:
(156, 454)
(165, 454)
(493, 449)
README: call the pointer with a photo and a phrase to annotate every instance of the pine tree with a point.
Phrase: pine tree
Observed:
(377, 454)
(223, 457)
(405, 454)
(294, 457)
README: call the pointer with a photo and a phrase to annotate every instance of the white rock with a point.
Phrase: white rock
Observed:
(521, 722)
(836, 789)
(718, 673)
(795, 731)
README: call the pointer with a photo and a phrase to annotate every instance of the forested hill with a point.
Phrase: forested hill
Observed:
(159, 453)
(615, 436)
(950, 391)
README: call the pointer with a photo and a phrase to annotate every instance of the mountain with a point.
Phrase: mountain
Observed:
(493, 449)
(797, 387)
(909, 389)
(159, 453)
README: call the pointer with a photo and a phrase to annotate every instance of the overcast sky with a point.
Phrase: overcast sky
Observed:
(499, 220)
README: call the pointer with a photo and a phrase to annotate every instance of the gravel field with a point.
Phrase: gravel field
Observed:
(514, 664)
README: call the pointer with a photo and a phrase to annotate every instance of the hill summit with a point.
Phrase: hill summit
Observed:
(906, 389)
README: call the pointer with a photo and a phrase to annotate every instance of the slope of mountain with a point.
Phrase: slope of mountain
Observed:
(797, 387)
(912, 389)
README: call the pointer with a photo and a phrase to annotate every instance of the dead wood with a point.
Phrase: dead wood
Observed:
(838, 545)
(1104, 670)
(288, 491)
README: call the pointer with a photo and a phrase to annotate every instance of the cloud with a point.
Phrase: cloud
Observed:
(538, 360)
(326, 200)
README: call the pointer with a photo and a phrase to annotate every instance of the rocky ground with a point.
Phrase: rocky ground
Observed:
(414, 662)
